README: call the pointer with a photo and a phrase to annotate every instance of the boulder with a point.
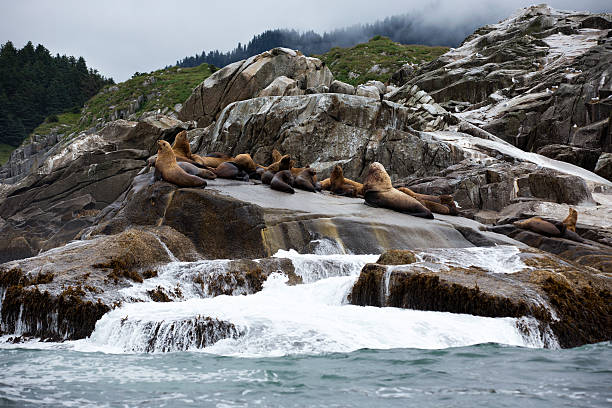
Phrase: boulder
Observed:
(368, 91)
(281, 86)
(585, 158)
(341, 87)
(246, 79)
(604, 166)
(570, 303)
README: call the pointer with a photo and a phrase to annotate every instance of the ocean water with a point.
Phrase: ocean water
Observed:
(482, 375)
(305, 346)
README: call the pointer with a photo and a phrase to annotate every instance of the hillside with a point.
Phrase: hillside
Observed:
(160, 90)
(404, 29)
(35, 85)
(377, 59)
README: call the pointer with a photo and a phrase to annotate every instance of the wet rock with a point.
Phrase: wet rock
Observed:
(604, 166)
(570, 301)
(246, 79)
(60, 294)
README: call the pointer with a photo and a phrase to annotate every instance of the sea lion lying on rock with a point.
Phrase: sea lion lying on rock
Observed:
(229, 170)
(166, 168)
(443, 204)
(307, 180)
(338, 184)
(379, 192)
(283, 181)
(537, 224)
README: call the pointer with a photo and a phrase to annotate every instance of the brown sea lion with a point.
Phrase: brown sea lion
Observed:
(283, 181)
(218, 155)
(438, 204)
(379, 192)
(166, 168)
(306, 180)
(340, 185)
(245, 162)
(229, 170)
(211, 162)
(297, 170)
(276, 156)
(283, 164)
(537, 224)
(570, 220)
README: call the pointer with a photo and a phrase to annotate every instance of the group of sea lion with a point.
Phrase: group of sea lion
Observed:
(178, 165)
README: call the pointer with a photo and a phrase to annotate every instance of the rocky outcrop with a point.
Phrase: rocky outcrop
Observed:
(248, 78)
(539, 78)
(337, 128)
(77, 179)
(570, 301)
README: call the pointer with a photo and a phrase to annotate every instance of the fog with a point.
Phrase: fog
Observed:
(122, 37)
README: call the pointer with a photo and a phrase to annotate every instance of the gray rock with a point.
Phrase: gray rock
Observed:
(604, 166)
(246, 79)
(341, 87)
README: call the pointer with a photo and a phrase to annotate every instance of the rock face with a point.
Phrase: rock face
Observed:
(336, 128)
(541, 77)
(248, 78)
(77, 179)
(571, 301)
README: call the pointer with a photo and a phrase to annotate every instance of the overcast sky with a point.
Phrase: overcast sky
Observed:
(120, 37)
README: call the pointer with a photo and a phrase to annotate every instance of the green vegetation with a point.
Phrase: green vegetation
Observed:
(354, 65)
(158, 90)
(5, 153)
(35, 85)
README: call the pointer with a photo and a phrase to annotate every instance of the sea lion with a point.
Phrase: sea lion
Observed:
(570, 220)
(443, 204)
(379, 192)
(283, 181)
(267, 176)
(283, 164)
(218, 155)
(540, 226)
(197, 171)
(211, 162)
(182, 150)
(306, 180)
(245, 162)
(340, 185)
(276, 156)
(229, 170)
(166, 168)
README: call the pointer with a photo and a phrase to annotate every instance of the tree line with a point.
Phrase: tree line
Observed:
(35, 85)
(404, 29)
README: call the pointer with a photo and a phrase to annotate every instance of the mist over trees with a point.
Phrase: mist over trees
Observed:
(405, 29)
(35, 85)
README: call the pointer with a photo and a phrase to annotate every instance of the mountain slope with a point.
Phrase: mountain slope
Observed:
(376, 59)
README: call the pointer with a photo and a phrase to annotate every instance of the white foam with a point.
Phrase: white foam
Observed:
(310, 318)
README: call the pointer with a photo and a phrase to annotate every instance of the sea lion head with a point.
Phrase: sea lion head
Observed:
(285, 163)
(310, 174)
(181, 144)
(377, 178)
(276, 156)
(336, 173)
(245, 162)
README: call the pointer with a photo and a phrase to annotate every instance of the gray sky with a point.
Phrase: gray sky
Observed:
(120, 37)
